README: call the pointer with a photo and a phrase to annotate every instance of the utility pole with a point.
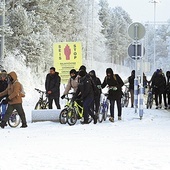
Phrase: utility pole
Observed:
(2, 30)
(154, 39)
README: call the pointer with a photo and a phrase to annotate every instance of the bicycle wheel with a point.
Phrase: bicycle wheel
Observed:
(105, 112)
(14, 120)
(151, 102)
(126, 101)
(38, 106)
(100, 114)
(63, 116)
(122, 101)
(72, 117)
(90, 119)
(46, 105)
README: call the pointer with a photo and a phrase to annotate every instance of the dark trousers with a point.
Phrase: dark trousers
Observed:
(159, 96)
(19, 109)
(132, 96)
(96, 103)
(56, 100)
(88, 108)
(168, 98)
(119, 107)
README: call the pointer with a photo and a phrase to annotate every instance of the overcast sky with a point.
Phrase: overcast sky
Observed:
(142, 10)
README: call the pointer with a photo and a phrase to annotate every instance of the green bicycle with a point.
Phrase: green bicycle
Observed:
(76, 113)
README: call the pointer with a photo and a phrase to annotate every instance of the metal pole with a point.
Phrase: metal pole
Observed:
(154, 45)
(141, 86)
(2, 38)
(136, 80)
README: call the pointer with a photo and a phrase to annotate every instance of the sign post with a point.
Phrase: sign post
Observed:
(137, 31)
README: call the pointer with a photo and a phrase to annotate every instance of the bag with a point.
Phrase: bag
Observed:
(22, 91)
(95, 89)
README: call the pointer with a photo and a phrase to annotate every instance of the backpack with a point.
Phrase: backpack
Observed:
(22, 91)
(94, 87)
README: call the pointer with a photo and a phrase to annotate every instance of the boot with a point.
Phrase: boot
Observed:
(3, 124)
(111, 119)
(119, 118)
(95, 119)
(24, 126)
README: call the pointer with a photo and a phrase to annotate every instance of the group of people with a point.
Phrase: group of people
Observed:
(11, 98)
(88, 87)
(159, 85)
(87, 90)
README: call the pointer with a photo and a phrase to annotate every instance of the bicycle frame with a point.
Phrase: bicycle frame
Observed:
(105, 103)
(78, 108)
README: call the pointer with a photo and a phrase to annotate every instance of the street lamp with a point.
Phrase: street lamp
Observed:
(154, 41)
(2, 30)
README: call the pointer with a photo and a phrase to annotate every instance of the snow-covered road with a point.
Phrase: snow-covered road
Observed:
(124, 145)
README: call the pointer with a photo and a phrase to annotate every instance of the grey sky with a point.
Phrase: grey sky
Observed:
(142, 10)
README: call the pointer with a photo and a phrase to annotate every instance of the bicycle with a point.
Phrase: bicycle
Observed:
(14, 120)
(125, 97)
(149, 99)
(42, 102)
(64, 112)
(103, 108)
(75, 113)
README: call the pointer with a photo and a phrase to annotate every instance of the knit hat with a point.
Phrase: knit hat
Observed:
(82, 73)
(109, 71)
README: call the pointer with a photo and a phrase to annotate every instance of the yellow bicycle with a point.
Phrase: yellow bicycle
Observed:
(76, 113)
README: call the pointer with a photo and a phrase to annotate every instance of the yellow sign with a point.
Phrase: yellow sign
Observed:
(67, 56)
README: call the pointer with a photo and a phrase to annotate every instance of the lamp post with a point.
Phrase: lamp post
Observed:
(2, 26)
(154, 39)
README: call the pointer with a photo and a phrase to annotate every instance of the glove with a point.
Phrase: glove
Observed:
(5, 101)
(63, 96)
(99, 86)
(114, 88)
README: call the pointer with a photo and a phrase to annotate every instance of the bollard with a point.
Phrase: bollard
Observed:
(141, 102)
(136, 94)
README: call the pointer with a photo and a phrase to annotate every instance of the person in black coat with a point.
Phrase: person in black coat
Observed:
(131, 86)
(115, 84)
(159, 85)
(3, 86)
(87, 94)
(52, 86)
(98, 91)
(167, 90)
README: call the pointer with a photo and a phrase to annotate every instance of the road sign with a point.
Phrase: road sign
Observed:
(136, 31)
(132, 51)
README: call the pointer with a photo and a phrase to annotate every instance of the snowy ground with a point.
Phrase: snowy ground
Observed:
(124, 145)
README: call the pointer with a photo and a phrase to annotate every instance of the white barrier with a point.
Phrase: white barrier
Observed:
(45, 115)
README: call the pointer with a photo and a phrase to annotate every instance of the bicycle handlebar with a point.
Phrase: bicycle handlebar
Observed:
(39, 91)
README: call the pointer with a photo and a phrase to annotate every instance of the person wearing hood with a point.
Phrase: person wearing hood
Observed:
(131, 86)
(73, 82)
(52, 86)
(14, 92)
(115, 84)
(159, 85)
(97, 84)
(3, 86)
(87, 94)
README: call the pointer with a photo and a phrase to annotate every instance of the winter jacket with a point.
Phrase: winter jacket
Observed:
(131, 82)
(97, 83)
(72, 83)
(3, 86)
(13, 90)
(113, 81)
(158, 83)
(85, 88)
(52, 84)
